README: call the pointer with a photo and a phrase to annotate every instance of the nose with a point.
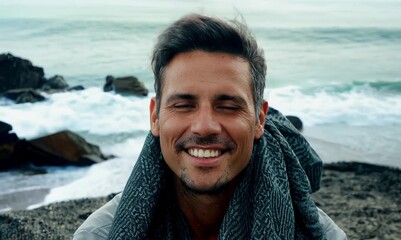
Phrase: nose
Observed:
(205, 123)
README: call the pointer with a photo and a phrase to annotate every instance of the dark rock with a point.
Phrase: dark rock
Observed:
(8, 138)
(18, 73)
(75, 88)
(5, 128)
(7, 160)
(55, 83)
(129, 85)
(109, 86)
(359, 167)
(7, 146)
(60, 149)
(24, 95)
(296, 122)
(20, 80)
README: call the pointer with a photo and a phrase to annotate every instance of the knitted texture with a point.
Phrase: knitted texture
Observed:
(309, 159)
(272, 200)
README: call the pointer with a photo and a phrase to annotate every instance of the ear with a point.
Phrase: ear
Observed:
(260, 124)
(154, 120)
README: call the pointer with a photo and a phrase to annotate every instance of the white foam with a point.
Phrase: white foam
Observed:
(130, 148)
(5, 209)
(359, 108)
(100, 179)
(90, 110)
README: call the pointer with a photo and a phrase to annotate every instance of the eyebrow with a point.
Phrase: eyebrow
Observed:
(180, 96)
(236, 99)
(223, 97)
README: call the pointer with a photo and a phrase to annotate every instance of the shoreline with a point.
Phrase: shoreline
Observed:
(363, 199)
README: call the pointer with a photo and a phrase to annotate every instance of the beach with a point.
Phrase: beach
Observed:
(332, 64)
(363, 199)
(328, 64)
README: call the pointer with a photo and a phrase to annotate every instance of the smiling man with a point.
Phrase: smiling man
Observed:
(213, 166)
(206, 120)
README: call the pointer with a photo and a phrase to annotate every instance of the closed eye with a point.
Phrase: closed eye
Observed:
(230, 103)
(183, 106)
(228, 107)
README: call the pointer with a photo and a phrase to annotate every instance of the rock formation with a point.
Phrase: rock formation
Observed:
(18, 73)
(7, 145)
(125, 85)
(22, 82)
(59, 149)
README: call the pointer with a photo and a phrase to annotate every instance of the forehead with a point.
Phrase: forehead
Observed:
(208, 69)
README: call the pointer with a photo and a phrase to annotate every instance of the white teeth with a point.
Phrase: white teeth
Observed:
(201, 153)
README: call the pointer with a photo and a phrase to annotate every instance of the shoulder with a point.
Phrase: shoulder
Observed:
(98, 224)
(332, 231)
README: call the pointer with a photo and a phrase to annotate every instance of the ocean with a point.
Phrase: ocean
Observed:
(336, 65)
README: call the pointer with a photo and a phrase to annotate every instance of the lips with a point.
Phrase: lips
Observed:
(205, 150)
(204, 153)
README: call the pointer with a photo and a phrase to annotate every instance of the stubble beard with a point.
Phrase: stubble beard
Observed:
(219, 187)
(221, 183)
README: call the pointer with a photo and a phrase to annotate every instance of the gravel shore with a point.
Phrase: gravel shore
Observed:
(363, 199)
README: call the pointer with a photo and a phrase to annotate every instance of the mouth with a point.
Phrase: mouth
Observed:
(204, 153)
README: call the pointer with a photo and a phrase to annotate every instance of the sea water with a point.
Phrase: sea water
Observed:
(336, 65)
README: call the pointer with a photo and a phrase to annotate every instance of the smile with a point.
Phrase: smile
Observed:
(204, 153)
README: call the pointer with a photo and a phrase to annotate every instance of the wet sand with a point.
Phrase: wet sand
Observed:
(21, 200)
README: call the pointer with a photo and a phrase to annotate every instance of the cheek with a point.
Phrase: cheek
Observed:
(244, 133)
(244, 129)
(170, 131)
(243, 138)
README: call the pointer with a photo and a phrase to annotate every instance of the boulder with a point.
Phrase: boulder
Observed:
(127, 85)
(24, 95)
(20, 80)
(55, 83)
(60, 149)
(7, 160)
(63, 148)
(6, 137)
(18, 73)
(109, 85)
(5, 128)
(7, 145)
(75, 88)
(296, 122)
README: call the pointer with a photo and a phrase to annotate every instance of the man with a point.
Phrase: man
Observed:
(213, 166)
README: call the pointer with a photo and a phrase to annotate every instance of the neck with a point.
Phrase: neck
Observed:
(203, 212)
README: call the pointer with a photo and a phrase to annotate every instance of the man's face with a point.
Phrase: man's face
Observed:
(207, 121)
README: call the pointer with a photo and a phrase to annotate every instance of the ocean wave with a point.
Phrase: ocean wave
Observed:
(358, 104)
(333, 35)
(378, 87)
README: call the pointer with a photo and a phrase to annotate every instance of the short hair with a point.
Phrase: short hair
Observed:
(198, 32)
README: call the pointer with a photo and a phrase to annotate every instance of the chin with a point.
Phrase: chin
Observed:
(216, 189)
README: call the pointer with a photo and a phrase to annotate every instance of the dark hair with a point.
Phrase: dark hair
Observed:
(197, 32)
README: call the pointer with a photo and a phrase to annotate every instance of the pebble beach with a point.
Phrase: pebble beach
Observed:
(363, 199)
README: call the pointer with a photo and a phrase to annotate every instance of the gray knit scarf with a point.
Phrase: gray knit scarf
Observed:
(272, 201)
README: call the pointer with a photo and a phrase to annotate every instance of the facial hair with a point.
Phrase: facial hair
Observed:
(218, 188)
(221, 184)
